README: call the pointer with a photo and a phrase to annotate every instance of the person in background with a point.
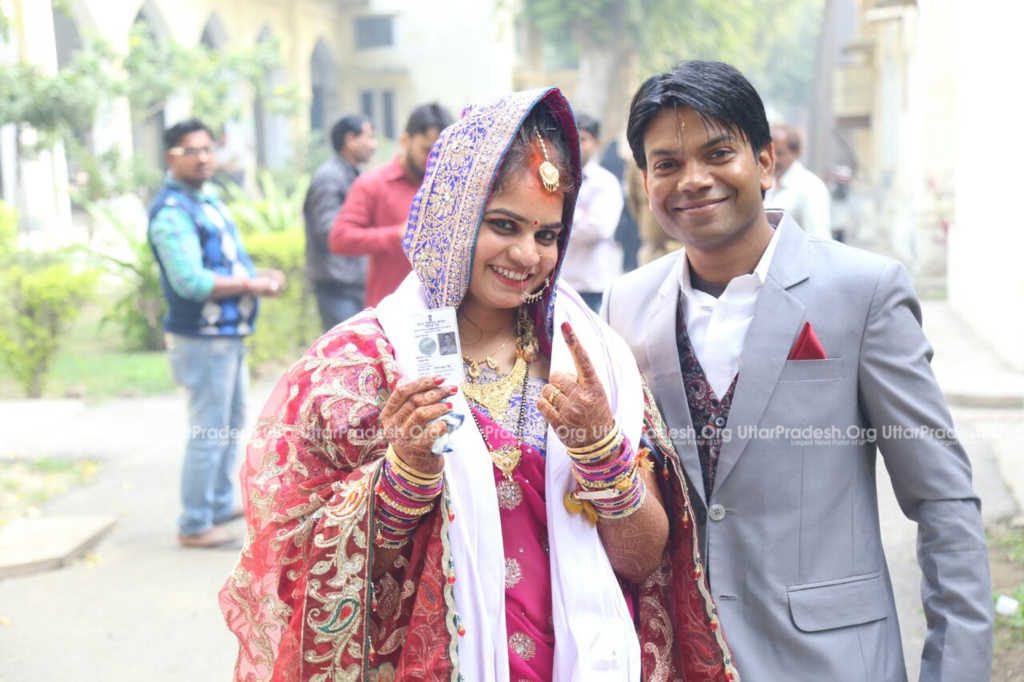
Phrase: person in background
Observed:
(372, 220)
(212, 291)
(797, 190)
(594, 258)
(627, 234)
(338, 281)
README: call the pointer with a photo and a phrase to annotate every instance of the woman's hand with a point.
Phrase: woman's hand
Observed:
(406, 419)
(575, 405)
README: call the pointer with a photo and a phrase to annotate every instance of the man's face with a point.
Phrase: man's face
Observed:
(704, 183)
(417, 148)
(361, 146)
(588, 147)
(192, 162)
(784, 156)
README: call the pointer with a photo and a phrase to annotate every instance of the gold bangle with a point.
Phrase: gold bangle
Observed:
(586, 450)
(408, 511)
(599, 456)
(413, 475)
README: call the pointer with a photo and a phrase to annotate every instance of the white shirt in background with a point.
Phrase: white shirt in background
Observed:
(594, 259)
(803, 195)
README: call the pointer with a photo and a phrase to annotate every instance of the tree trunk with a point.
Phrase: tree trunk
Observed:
(606, 77)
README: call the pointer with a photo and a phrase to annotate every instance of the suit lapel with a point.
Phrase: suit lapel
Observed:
(665, 376)
(777, 320)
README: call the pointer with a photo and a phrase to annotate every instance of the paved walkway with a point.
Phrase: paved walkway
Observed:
(139, 607)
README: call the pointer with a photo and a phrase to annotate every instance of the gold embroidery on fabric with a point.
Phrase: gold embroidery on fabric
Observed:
(522, 645)
(513, 573)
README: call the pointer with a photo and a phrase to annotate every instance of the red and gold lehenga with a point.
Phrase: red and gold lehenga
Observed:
(302, 600)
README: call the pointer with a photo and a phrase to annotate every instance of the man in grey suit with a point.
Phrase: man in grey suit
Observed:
(782, 363)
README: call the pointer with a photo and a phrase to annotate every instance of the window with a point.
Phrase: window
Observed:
(366, 101)
(379, 107)
(375, 31)
(387, 106)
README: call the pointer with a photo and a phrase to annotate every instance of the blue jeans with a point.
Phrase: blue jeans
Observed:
(214, 372)
(337, 303)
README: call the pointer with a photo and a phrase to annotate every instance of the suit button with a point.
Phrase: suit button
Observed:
(716, 512)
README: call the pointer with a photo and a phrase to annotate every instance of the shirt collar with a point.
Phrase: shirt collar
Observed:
(205, 193)
(756, 278)
(394, 170)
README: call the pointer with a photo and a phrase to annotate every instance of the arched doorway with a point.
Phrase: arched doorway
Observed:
(324, 87)
(149, 122)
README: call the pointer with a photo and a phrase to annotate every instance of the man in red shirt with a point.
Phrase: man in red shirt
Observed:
(372, 220)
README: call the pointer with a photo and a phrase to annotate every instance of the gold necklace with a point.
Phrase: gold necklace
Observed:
(507, 457)
(473, 366)
(496, 397)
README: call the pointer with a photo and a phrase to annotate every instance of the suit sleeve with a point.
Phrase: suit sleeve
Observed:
(931, 476)
(354, 233)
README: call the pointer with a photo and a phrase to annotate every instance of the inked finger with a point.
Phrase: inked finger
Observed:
(584, 368)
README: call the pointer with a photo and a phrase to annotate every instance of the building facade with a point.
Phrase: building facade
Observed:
(378, 57)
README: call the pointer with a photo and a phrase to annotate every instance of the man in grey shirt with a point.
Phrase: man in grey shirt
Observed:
(338, 281)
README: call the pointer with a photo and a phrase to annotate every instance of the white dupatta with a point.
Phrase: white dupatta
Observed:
(595, 639)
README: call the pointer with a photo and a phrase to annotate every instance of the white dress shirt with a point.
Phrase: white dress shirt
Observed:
(718, 326)
(594, 259)
(803, 195)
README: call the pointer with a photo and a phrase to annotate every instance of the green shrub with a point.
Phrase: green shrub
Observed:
(277, 209)
(39, 299)
(288, 323)
(139, 311)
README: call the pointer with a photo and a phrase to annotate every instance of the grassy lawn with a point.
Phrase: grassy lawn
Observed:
(26, 484)
(1006, 554)
(91, 364)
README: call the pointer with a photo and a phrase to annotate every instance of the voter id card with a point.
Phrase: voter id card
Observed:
(437, 347)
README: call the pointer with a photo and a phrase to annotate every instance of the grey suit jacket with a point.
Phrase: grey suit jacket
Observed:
(790, 531)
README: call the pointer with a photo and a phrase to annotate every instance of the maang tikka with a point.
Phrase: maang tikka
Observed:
(549, 175)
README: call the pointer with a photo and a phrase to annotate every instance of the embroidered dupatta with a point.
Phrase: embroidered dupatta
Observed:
(302, 601)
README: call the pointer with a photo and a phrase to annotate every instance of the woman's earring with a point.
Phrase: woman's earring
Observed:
(535, 296)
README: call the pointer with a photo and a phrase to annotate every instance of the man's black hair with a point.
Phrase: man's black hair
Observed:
(586, 123)
(173, 135)
(426, 117)
(350, 124)
(719, 94)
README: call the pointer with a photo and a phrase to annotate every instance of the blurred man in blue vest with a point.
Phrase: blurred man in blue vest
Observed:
(212, 290)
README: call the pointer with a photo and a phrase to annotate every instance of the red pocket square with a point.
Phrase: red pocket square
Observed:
(807, 346)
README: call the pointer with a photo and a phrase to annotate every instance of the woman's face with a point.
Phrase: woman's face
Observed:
(517, 247)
